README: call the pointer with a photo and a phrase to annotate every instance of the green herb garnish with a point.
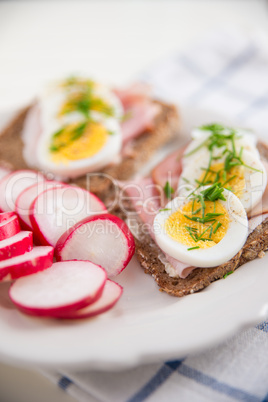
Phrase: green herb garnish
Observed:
(168, 190)
(227, 274)
(127, 116)
(217, 227)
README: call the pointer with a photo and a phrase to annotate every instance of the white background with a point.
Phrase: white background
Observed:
(112, 41)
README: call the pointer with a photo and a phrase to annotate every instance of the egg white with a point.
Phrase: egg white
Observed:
(50, 103)
(223, 251)
(247, 134)
(76, 168)
(246, 140)
(255, 181)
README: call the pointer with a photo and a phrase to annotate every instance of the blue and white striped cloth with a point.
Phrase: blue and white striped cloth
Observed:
(226, 73)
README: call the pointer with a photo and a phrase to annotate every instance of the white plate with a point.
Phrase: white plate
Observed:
(146, 325)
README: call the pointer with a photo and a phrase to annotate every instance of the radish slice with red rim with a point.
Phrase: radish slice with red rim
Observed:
(27, 196)
(110, 295)
(57, 209)
(9, 227)
(13, 184)
(16, 245)
(38, 259)
(4, 216)
(63, 288)
(103, 239)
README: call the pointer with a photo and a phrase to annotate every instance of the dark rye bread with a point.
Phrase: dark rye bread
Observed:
(148, 254)
(167, 124)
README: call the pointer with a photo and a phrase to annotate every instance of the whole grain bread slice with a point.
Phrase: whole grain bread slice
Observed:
(139, 151)
(150, 255)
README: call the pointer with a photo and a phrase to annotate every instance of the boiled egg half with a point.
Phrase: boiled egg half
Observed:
(247, 181)
(202, 238)
(81, 132)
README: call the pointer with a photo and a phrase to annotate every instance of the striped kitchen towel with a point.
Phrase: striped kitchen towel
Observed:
(227, 74)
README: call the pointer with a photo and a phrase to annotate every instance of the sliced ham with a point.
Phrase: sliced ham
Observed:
(135, 93)
(256, 221)
(140, 111)
(169, 169)
(262, 207)
(141, 118)
(146, 199)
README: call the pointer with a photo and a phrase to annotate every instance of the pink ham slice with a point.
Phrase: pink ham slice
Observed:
(146, 200)
(141, 119)
(140, 111)
(135, 93)
(169, 169)
(262, 207)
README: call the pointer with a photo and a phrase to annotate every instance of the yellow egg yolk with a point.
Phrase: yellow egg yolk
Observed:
(190, 233)
(78, 141)
(233, 180)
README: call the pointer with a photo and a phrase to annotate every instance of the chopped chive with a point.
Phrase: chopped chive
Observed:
(193, 248)
(193, 236)
(58, 133)
(164, 209)
(202, 234)
(200, 220)
(228, 180)
(53, 148)
(127, 116)
(227, 274)
(168, 190)
(186, 180)
(190, 228)
(79, 131)
(211, 231)
(217, 227)
(213, 214)
(196, 149)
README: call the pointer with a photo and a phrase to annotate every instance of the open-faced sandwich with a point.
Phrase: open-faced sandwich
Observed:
(78, 126)
(203, 212)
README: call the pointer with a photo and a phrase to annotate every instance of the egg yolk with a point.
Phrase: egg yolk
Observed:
(196, 234)
(233, 180)
(76, 142)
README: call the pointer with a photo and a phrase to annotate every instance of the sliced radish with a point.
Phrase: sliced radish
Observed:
(13, 184)
(38, 259)
(16, 245)
(27, 196)
(63, 288)
(5, 216)
(9, 227)
(57, 209)
(103, 239)
(110, 295)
